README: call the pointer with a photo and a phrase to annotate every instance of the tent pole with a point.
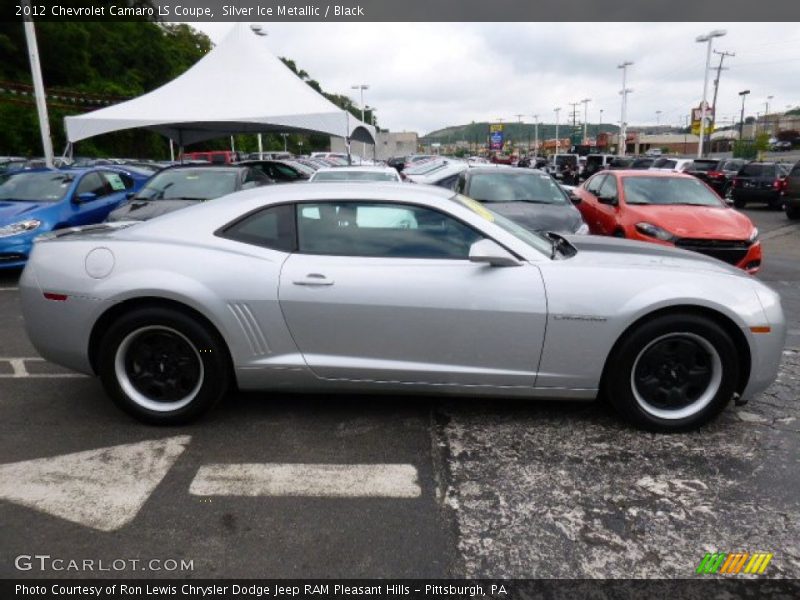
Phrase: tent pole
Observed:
(260, 146)
(171, 151)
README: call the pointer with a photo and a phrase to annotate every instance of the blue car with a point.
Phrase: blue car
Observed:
(36, 201)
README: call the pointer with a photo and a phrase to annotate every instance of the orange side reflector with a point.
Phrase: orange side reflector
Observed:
(763, 329)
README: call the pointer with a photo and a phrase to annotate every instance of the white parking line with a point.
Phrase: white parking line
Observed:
(317, 480)
(7, 289)
(20, 370)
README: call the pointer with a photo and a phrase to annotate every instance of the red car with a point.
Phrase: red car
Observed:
(671, 209)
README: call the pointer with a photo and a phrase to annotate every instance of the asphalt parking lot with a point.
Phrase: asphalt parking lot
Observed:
(438, 488)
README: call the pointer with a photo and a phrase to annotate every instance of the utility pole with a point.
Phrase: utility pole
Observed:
(586, 119)
(624, 93)
(574, 115)
(720, 68)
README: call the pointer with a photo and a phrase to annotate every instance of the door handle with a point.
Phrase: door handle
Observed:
(313, 279)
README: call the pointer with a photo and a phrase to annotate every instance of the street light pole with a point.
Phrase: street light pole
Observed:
(535, 135)
(708, 39)
(558, 142)
(624, 92)
(586, 119)
(38, 88)
(766, 113)
(743, 94)
(361, 87)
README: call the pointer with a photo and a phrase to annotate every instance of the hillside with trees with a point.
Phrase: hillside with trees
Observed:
(90, 65)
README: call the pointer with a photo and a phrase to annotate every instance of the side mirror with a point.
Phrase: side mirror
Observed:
(610, 200)
(491, 253)
(85, 197)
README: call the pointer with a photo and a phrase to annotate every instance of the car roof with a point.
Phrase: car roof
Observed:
(359, 168)
(647, 173)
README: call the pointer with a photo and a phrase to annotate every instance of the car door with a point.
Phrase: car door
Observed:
(606, 215)
(385, 293)
(86, 212)
(588, 206)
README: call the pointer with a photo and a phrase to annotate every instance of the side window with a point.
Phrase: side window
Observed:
(594, 183)
(117, 182)
(461, 183)
(608, 189)
(272, 227)
(381, 230)
(92, 182)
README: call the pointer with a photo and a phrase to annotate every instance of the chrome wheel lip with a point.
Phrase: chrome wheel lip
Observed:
(702, 401)
(134, 394)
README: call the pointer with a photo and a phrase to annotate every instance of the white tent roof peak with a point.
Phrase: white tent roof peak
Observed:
(238, 87)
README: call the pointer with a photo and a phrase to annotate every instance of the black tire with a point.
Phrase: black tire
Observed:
(738, 203)
(648, 382)
(793, 212)
(187, 377)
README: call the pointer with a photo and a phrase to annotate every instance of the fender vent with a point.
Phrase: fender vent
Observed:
(250, 328)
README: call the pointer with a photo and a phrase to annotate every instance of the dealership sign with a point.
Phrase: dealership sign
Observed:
(496, 136)
(697, 114)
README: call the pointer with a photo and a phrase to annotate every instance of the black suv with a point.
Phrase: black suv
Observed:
(717, 173)
(792, 197)
(763, 182)
(631, 162)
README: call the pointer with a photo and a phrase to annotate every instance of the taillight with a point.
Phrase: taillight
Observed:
(716, 174)
(780, 184)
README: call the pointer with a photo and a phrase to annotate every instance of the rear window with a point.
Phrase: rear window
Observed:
(758, 170)
(190, 184)
(664, 163)
(702, 165)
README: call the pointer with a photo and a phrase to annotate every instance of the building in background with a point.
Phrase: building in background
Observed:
(387, 144)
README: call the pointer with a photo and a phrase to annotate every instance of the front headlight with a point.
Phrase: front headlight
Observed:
(583, 229)
(654, 231)
(17, 228)
(754, 235)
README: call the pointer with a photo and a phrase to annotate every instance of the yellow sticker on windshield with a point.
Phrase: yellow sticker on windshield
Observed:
(476, 207)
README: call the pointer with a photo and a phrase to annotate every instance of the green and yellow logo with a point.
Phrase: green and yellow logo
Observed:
(734, 563)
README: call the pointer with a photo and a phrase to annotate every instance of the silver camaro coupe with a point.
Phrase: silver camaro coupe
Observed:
(398, 288)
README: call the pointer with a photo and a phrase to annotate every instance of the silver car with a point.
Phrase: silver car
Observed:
(390, 287)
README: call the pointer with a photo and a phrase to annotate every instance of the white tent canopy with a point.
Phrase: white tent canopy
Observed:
(238, 87)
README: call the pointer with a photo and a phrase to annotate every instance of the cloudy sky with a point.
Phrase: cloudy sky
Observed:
(424, 76)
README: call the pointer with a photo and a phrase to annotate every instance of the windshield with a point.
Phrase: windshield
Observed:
(35, 187)
(189, 184)
(539, 242)
(347, 175)
(668, 190)
(515, 187)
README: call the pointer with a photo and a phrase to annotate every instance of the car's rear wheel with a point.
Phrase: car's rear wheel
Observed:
(739, 203)
(162, 366)
(673, 373)
(793, 212)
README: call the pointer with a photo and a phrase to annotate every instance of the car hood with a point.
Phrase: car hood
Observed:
(11, 212)
(142, 210)
(560, 218)
(607, 251)
(708, 222)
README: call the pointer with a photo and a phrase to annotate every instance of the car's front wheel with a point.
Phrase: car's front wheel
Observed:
(793, 212)
(673, 373)
(162, 366)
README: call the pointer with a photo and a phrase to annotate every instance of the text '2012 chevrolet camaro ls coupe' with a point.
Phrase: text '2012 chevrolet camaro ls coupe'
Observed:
(390, 287)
